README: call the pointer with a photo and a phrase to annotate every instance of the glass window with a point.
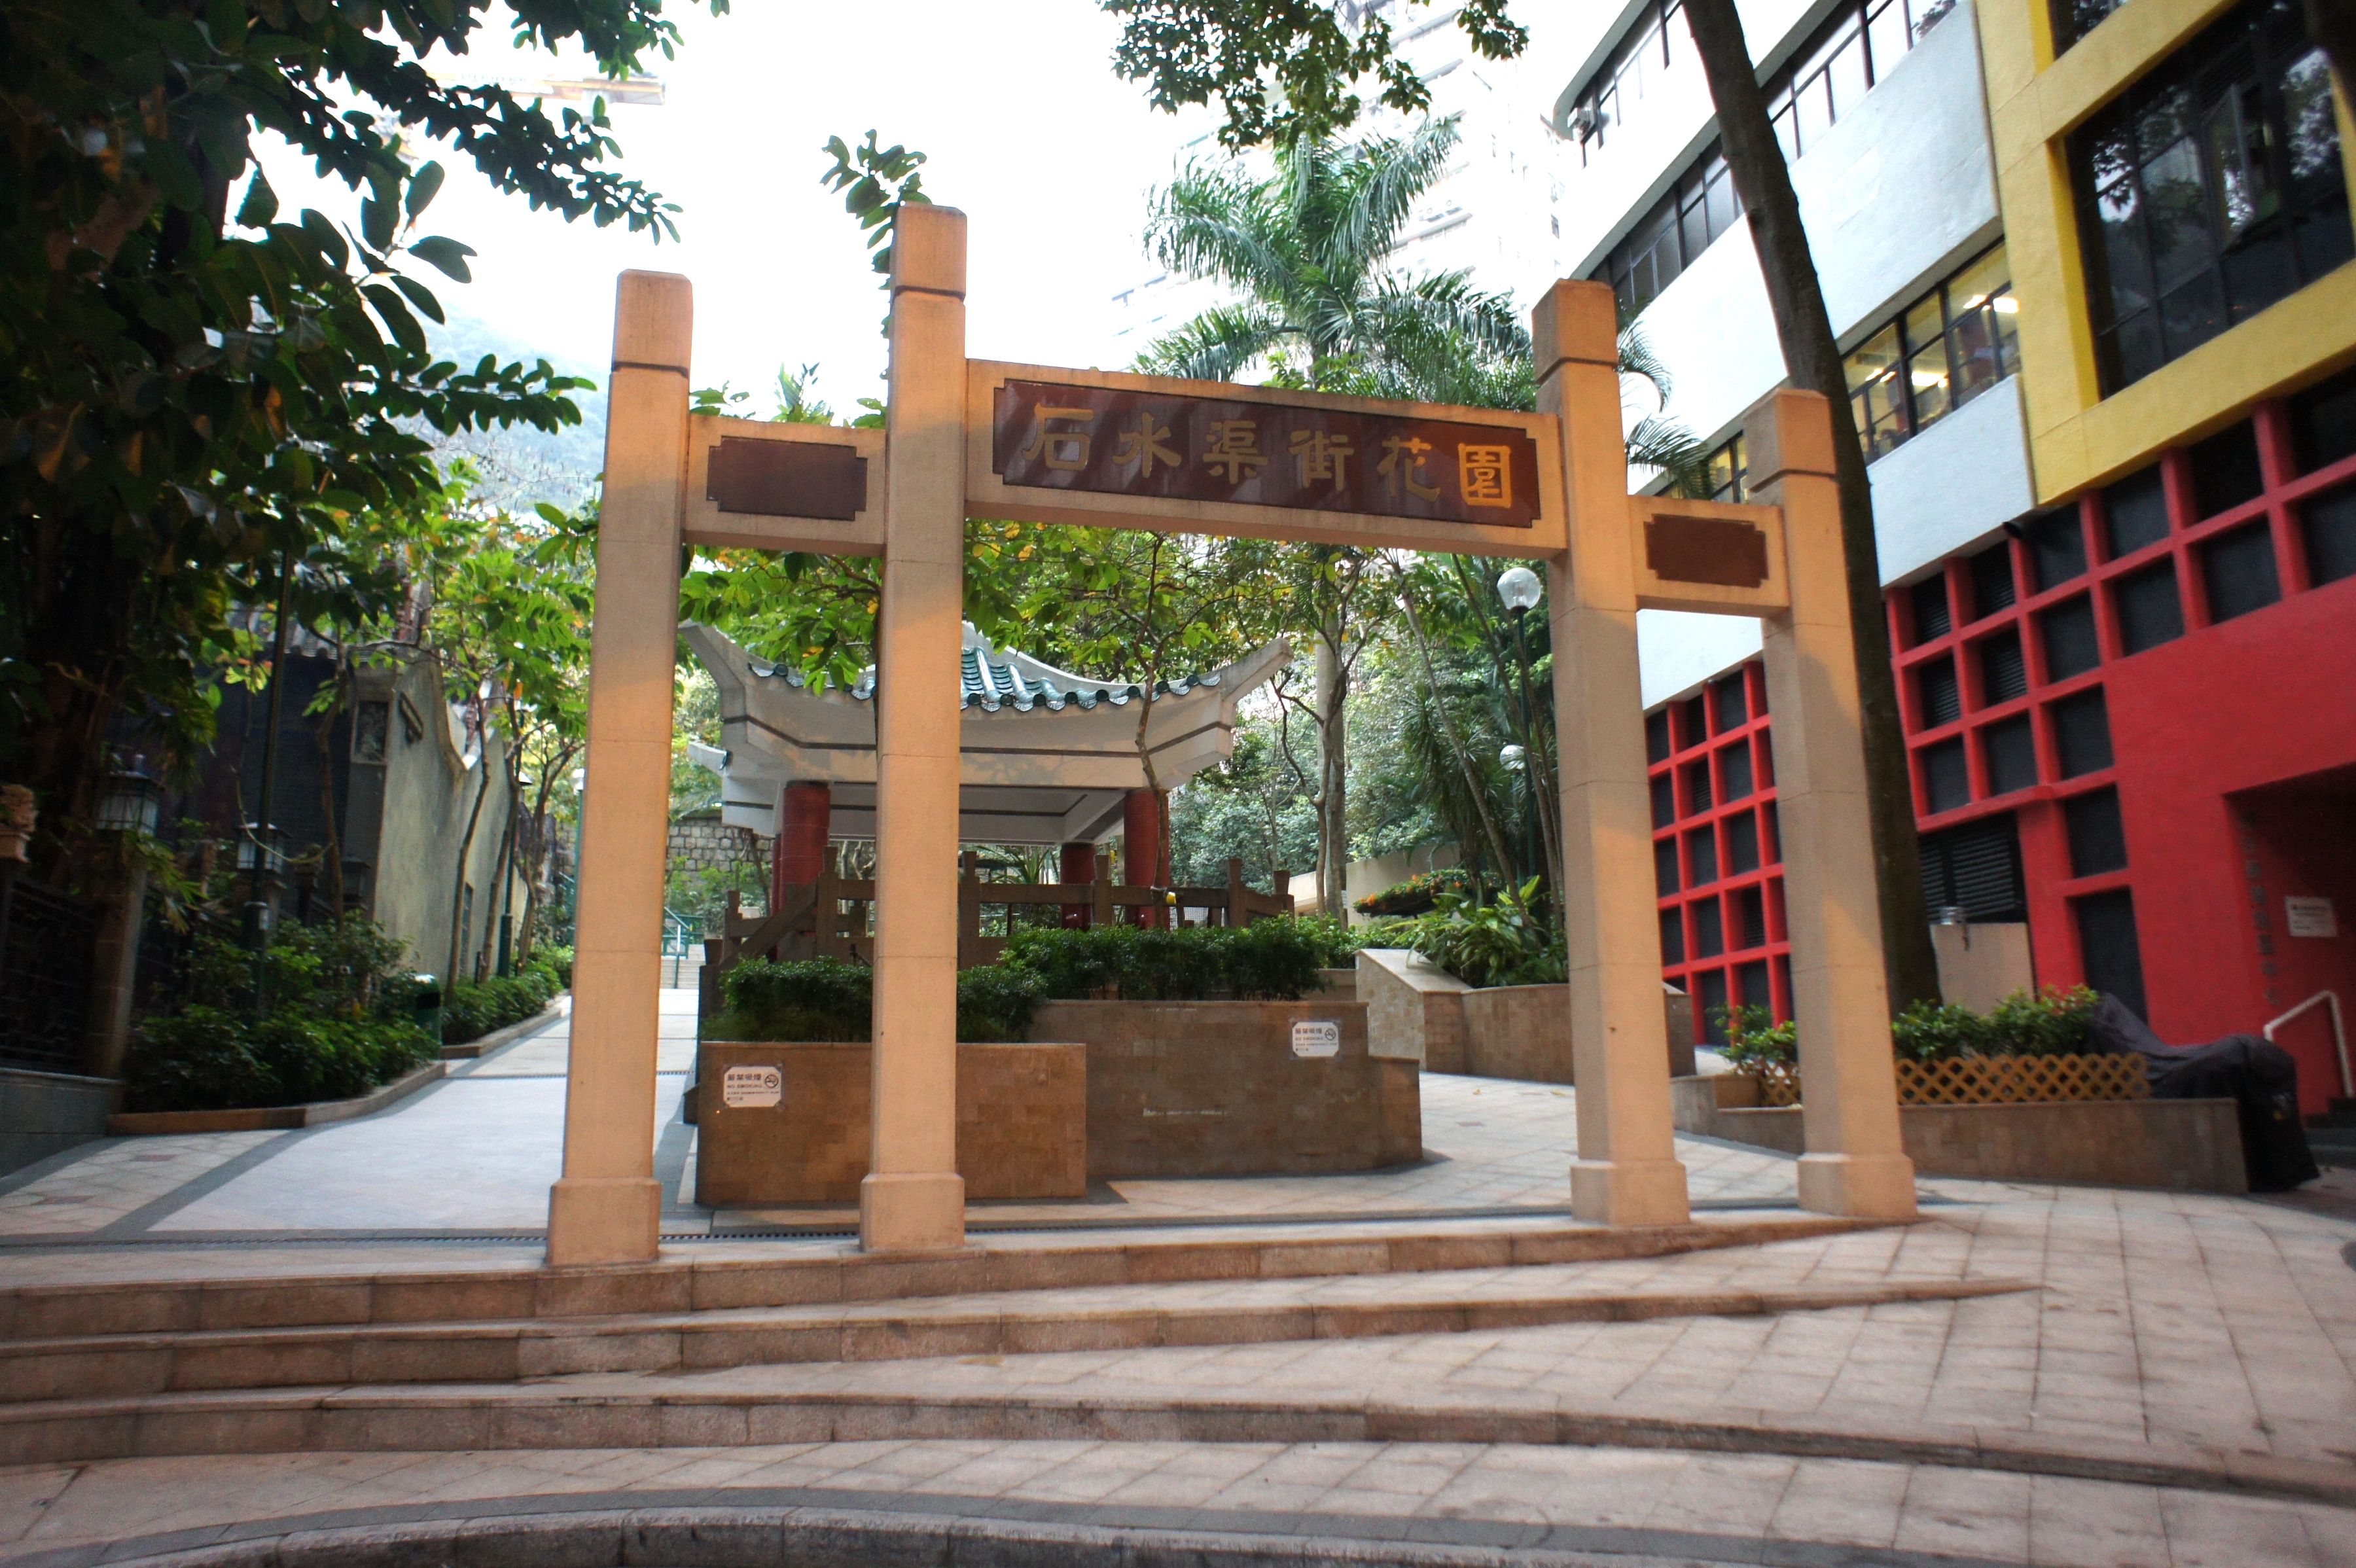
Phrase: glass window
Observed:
(2009, 751)
(2330, 523)
(2239, 572)
(2149, 613)
(2057, 547)
(1888, 35)
(1946, 784)
(2082, 733)
(2225, 471)
(2211, 189)
(1879, 396)
(2098, 838)
(2070, 647)
(2074, 19)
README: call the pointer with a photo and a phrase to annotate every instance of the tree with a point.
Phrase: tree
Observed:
(1242, 53)
(191, 399)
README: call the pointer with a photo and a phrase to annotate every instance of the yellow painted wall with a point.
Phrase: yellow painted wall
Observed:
(2077, 437)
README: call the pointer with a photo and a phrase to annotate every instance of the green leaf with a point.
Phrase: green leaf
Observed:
(440, 251)
(418, 295)
(396, 316)
(376, 223)
(260, 203)
(323, 236)
(423, 185)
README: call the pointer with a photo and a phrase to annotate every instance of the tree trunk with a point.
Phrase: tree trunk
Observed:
(1813, 359)
(1456, 743)
(1333, 765)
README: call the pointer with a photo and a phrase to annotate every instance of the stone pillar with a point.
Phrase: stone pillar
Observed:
(1075, 864)
(913, 1196)
(607, 1206)
(1627, 1171)
(1142, 848)
(1855, 1160)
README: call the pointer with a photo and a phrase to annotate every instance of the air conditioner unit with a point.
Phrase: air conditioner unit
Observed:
(1585, 122)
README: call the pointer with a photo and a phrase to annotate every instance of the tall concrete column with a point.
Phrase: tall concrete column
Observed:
(913, 1196)
(1855, 1160)
(1076, 863)
(1627, 1171)
(1142, 847)
(607, 1206)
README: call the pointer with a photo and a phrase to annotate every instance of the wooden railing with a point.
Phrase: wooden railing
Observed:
(830, 918)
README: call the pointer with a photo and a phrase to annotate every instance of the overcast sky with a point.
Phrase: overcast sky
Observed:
(1026, 127)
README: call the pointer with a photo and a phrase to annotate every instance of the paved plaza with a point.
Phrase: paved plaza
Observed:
(2049, 1374)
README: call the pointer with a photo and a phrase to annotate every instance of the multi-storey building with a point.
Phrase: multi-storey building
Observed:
(2089, 263)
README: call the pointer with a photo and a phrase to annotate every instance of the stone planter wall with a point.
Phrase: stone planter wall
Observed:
(1524, 1032)
(44, 1113)
(1022, 1124)
(1191, 1089)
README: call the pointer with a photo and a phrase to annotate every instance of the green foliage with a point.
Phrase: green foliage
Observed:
(995, 1001)
(1271, 959)
(1753, 1035)
(2054, 1021)
(802, 999)
(1282, 69)
(1335, 941)
(1929, 1031)
(1506, 941)
(337, 1025)
(1417, 893)
(473, 1008)
(875, 182)
(191, 397)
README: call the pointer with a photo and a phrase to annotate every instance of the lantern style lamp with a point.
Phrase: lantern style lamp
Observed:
(132, 804)
(1520, 589)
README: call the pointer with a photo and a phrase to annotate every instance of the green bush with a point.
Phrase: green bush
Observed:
(2053, 1022)
(473, 1008)
(336, 1022)
(1753, 1035)
(995, 1001)
(557, 960)
(1270, 960)
(1417, 893)
(1502, 942)
(804, 999)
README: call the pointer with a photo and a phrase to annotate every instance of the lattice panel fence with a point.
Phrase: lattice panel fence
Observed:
(2014, 1080)
(1986, 1081)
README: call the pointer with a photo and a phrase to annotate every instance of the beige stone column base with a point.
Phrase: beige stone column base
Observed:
(1629, 1192)
(604, 1219)
(922, 1212)
(1867, 1186)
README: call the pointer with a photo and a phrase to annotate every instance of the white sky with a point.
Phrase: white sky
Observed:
(1025, 126)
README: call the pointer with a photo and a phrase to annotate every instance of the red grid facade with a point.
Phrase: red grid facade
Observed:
(2060, 679)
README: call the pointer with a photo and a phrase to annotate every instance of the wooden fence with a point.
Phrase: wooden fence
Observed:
(1986, 1080)
(833, 917)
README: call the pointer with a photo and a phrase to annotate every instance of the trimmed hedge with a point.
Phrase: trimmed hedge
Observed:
(473, 1008)
(826, 999)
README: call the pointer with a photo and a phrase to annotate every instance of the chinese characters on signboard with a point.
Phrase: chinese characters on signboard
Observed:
(1095, 439)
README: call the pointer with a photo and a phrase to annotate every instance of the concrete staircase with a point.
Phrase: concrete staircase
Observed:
(516, 1357)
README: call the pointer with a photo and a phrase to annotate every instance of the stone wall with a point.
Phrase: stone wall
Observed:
(1186, 1088)
(44, 1113)
(1414, 1008)
(2183, 1145)
(1022, 1124)
(1524, 1032)
(704, 843)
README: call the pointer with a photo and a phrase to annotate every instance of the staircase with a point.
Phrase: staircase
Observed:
(536, 1357)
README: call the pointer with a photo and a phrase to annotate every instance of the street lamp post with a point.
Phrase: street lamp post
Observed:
(1520, 589)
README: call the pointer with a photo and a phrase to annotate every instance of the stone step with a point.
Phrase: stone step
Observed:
(747, 1409)
(34, 1372)
(819, 1273)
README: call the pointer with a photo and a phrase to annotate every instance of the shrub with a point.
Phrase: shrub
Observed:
(803, 999)
(1273, 960)
(1502, 942)
(473, 1008)
(995, 1001)
(557, 960)
(1932, 1032)
(1753, 1035)
(1417, 893)
(336, 1022)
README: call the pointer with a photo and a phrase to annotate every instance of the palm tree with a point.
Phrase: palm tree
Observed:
(1306, 249)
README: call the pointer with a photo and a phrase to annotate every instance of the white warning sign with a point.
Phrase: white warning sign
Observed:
(1316, 1037)
(752, 1088)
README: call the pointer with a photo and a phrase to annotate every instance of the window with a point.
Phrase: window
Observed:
(2009, 750)
(1733, 701)
(2070, 647)
(1943, 351)
(1975, 868)
(1693, 724)
(2135, 511)
(1709, 928)
(2238, 570)
(2323, 423)
(1750, 904)
(2329, 523)
(2074, 19)
(1701, 855)
(2210, 189)
(1673, 936)
(1664, 866)
(2003, 674)
(1931, 618)
(1698, 788)
(2225, 470)
(1942, 699)
(1946, 780)
(1741, 843)
(1852, 49)
(371, 731)
(1664, 801)
(2148, 610)
(2082, 733)
(2106, 941)
(1728, 469)
(1992, 587)
(1656, 736)
(1734, 770)
(2098, 839)
(2057, 548)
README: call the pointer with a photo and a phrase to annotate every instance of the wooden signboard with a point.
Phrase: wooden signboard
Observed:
(1156, 452)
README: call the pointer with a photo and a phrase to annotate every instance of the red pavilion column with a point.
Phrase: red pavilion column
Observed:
(801, 838)
(1076, 865)
(1144, 855)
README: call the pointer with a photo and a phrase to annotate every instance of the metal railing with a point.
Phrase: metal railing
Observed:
(2339, 1034)
(683, 939)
